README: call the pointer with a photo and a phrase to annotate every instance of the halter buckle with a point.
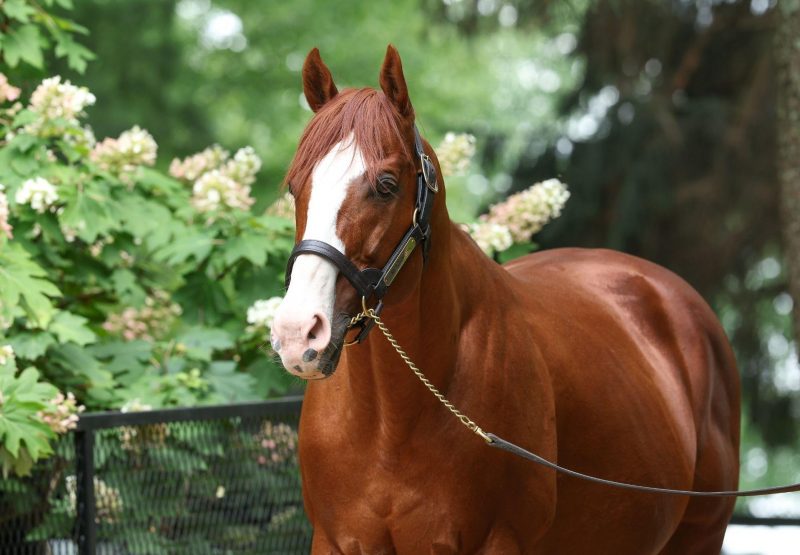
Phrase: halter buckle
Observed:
(429, 173)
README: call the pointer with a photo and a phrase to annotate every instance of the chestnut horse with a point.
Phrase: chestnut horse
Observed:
(600, 361)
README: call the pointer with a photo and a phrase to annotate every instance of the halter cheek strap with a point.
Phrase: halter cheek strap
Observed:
(373, 282)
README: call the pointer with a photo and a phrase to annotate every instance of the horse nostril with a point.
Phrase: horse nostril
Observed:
(316, 327)
(310, 355)
(318, 336)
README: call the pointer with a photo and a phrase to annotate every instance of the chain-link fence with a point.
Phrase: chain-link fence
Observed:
(209, 480)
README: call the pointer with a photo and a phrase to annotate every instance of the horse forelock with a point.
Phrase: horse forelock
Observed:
(366, 115)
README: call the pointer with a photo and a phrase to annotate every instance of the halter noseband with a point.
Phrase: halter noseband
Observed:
(374, 282)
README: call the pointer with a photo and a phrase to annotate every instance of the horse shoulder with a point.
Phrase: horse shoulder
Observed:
(503, 383)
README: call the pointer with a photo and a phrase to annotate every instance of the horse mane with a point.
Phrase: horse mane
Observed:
(366, 113)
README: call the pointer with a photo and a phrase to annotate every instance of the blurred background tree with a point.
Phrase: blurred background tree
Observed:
(659, 114)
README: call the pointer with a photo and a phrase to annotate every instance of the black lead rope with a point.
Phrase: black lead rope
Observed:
(494, 441)
(500, 443)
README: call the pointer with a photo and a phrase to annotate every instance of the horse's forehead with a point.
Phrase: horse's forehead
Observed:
(343, 163)
(330, 181)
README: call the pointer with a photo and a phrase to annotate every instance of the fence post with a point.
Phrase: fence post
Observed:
(84, 487)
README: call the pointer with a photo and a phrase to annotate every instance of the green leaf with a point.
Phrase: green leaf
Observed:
(21, 465)
(24, 438)
(23, 281)
(248, 247)
(24, 117)
(126, 357)
(195, 245)
(81, 370)
(89, 214)
(230, 384)
(71, 327)
(77, 55)
(200, 342)
(17, 9)
(270, 378)
(23, 44)
(126, 285)
(203, 300)
(25, 166)
(69, 25)
(130, 210)
(31, 345)
(161, 182)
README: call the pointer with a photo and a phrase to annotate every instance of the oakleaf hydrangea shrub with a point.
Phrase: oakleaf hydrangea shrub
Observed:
(118, 281)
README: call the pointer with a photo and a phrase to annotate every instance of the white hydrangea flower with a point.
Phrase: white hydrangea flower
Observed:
(262, 313)
(455, 153)
(54, 99)
(6, 354)
(134, 147)
(38, 192)
(62, 414)
(138, 146)
(490, 237)
(5, 227)
(215, 190)
(526, 212)
(243, 167)
(191, 168)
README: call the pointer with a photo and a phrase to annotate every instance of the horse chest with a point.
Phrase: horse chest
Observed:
(366, 507)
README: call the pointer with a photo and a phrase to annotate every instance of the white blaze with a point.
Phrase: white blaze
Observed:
(313, 277)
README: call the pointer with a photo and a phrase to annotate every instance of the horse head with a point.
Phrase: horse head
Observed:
(363, 184)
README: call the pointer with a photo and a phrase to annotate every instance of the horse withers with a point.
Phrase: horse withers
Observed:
(600, 361)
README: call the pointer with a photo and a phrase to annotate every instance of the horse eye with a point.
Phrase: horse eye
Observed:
(386, 187)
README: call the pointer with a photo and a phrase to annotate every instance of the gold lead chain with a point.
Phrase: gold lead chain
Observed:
(474, 428)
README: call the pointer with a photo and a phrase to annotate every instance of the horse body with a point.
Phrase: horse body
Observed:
(596, 360)
(631, 403)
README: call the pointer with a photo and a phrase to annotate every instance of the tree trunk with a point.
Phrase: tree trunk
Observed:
(787, 58)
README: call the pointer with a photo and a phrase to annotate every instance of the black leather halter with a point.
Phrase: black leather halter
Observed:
(373, 282)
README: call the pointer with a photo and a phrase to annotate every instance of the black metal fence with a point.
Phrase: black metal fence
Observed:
(208, 480)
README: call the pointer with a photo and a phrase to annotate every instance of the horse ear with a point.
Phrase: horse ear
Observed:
(318, 83)
(393, 83)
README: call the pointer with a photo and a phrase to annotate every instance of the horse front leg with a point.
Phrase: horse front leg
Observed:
(501, 540)
(320, 545)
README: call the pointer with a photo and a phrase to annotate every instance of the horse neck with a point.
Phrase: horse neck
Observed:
(382, 391)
